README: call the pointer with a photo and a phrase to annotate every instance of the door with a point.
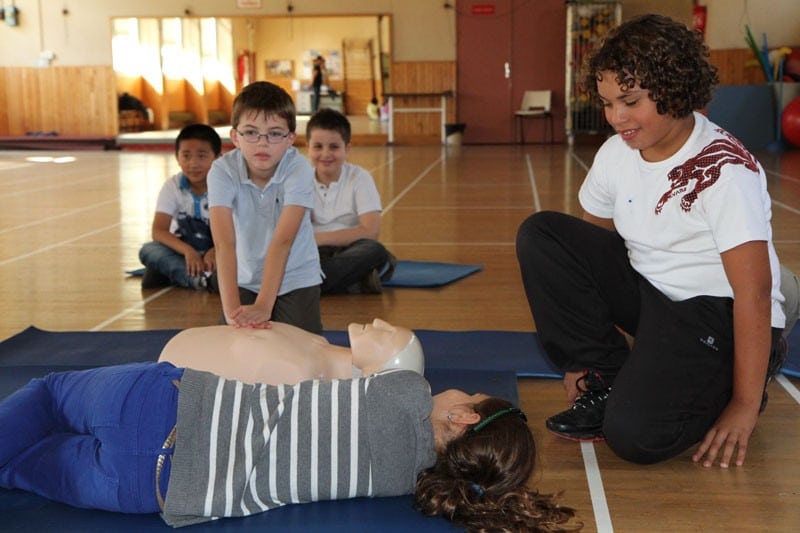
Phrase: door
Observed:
(504, 48)
(484, 70)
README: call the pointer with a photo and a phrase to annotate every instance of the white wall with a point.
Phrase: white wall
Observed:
(780, 19)
(423, 30)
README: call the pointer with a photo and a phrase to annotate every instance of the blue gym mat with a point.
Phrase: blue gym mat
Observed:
(429, 273)
(35, 352)
(419, 274)
(486, 361)
(792, 365)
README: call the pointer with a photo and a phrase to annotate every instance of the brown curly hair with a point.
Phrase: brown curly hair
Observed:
(479, 480)
(664, 56)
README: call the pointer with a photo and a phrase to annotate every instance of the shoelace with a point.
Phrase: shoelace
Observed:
(590, 398)
(593, 389)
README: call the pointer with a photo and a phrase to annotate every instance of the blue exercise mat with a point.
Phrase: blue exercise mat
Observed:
(423, 274)
(792, 365)
(420, 274)
(34, 352)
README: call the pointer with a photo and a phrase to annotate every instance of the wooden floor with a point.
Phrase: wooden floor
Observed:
(72, 223)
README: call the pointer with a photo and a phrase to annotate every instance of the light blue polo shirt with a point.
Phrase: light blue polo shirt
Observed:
(256, 212)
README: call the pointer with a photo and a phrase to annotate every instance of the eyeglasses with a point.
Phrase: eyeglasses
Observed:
(273, 137)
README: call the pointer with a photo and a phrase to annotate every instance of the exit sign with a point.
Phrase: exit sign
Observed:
(483, 9)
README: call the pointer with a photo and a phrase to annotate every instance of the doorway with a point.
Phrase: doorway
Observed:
(504, 48)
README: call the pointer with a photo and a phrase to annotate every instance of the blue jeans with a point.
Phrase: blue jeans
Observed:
(90, 438)
(345, 265)
(168, 262)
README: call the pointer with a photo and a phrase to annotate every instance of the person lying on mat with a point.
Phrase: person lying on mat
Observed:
(149, 437)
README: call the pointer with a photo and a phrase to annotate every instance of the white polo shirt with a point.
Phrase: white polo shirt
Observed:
(338, 205)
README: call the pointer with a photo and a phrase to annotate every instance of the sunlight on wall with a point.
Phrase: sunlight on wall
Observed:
(196, 50)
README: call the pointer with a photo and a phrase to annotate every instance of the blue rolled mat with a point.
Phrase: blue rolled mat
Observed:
(420, 274)
(429, 273)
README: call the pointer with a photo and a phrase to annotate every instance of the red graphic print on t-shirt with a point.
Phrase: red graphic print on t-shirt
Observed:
(704, 169)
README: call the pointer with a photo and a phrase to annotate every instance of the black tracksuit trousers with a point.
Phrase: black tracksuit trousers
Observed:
(671, 386)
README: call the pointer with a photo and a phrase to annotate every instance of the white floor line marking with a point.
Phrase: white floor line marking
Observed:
(579, 160)
(537, 204)
(392, 159)
(62, 215)
(60, 185)
(602, 517)
(56, 245)
(782, 176)
(411, 185)
(132, 308)
(787, 207)
(788, 386)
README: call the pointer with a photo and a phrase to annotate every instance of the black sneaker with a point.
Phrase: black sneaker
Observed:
(776, 360)
(584, 420)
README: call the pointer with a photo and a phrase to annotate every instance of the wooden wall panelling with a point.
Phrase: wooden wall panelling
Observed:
(219, 102)
(72, 101)
(153, 99)
(4, 103)
(357, 96)
(735, 67)
(360, 74)
(196, 103)
(422, 77)
(28, 94)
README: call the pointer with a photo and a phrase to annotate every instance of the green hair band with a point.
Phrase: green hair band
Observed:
(486, 421)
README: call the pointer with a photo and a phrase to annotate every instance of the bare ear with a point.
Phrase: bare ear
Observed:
(465, 417)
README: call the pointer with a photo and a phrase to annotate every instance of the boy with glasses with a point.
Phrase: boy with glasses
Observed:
(260, 200)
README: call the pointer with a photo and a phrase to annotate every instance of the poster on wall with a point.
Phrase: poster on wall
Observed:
(283, 68)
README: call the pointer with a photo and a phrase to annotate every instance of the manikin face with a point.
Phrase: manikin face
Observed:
(375, 343)
(633, 114)
(262, 157)
(328, 152)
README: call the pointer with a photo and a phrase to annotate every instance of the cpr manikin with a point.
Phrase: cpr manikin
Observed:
(287, 354)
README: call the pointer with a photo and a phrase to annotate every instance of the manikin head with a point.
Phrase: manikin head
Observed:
(381, 346)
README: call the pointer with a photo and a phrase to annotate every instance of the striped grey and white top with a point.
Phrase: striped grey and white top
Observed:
(243, 449)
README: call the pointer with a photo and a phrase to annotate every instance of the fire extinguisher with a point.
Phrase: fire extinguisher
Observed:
(243, 67)
(699, 17)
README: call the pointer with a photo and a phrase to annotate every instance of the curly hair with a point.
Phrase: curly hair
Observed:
(663, 56)
(479, 480)
(267, 98)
